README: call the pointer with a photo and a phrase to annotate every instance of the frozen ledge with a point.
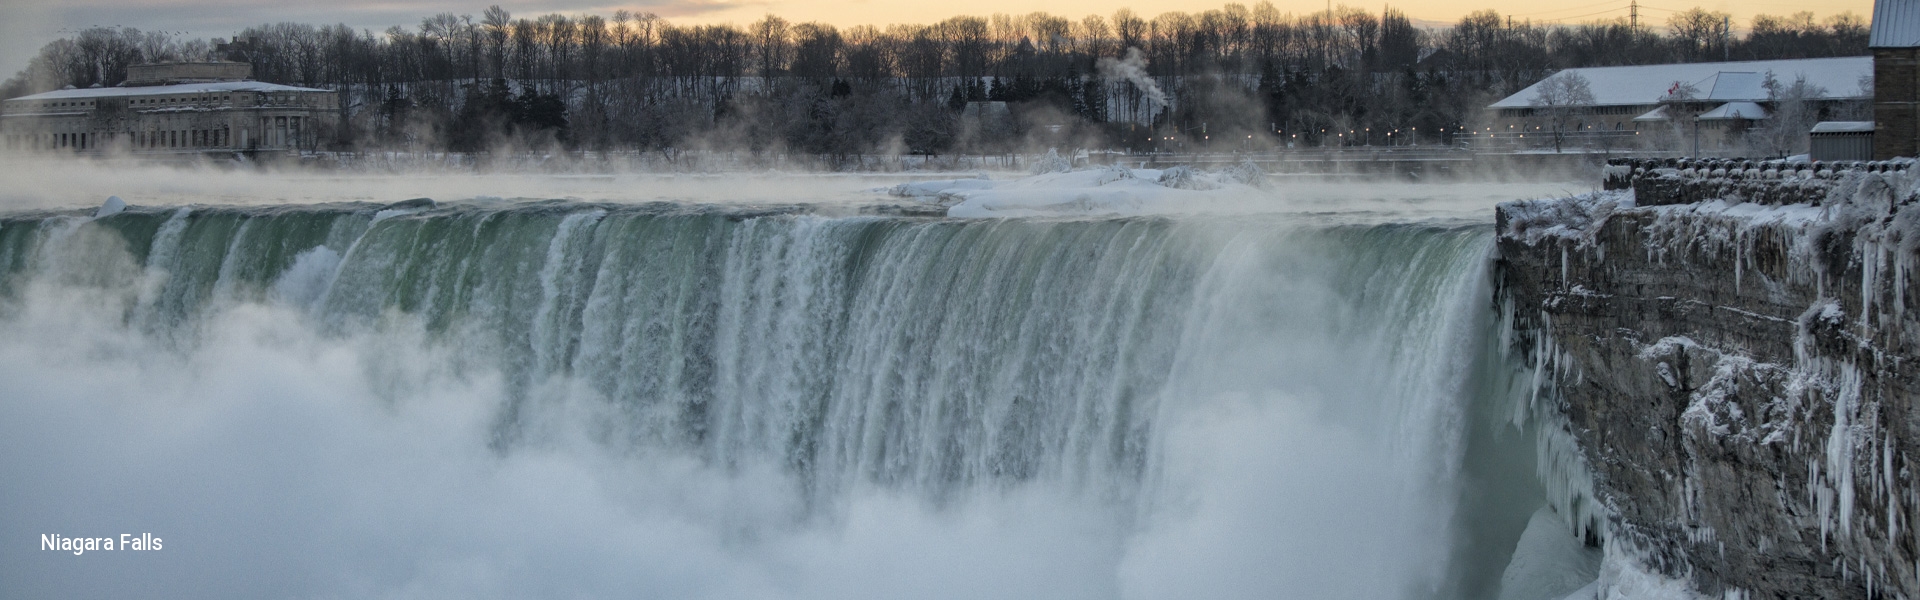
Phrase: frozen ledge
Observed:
(1737, 369)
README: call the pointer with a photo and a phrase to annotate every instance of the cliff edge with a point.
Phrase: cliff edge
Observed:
(1730, 347)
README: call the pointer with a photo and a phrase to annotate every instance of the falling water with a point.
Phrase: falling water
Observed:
(664, 400)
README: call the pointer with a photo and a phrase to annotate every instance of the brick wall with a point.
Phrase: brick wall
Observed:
(1896, 102)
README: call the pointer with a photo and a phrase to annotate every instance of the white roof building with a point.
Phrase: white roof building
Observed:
(172, 108)
(1722, 82)
(155, 90)
(1726, 99)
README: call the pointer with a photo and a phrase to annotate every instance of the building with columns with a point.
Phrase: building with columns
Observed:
(173, 108)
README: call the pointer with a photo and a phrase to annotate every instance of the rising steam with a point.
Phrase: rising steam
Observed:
(1133, 69)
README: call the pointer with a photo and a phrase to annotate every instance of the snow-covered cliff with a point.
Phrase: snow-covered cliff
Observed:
(1737, 376)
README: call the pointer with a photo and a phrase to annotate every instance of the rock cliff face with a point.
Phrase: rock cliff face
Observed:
(1739, 379)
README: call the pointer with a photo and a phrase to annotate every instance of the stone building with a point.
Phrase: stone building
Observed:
(1895, 40)
(174, 108)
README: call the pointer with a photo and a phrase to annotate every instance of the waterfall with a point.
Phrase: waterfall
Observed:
(777, 400)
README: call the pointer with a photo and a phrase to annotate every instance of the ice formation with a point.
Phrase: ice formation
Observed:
(1731, 370)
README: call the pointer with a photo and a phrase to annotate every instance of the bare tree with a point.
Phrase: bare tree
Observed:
(497, 22)
(1129, 29)
(770, 47)
(1561, 99)
(158, 46)
(1784, 131)
(1701, 34)
(1682, 107)
(1336, 73)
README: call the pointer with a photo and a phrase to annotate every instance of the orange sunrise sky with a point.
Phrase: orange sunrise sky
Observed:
(881, 12)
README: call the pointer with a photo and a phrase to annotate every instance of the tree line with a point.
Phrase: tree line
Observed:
(1240, 75)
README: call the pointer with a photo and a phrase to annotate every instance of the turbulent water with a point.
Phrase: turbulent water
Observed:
(567, 399)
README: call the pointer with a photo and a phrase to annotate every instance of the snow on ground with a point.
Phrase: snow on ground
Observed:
(1624, 576)
(1549, 562)
(1240, 189)
(1093, 192)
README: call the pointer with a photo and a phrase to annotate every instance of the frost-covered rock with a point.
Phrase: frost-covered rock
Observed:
(1573, 217)
(1738, 377)
(1051, 163)
(1247, 172)
(1185, 178)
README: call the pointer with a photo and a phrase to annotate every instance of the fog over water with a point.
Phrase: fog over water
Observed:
(689, 387)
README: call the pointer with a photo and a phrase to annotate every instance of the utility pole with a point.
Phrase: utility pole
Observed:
(1633, 15)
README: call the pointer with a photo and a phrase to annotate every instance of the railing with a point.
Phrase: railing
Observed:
(1584, 140)
(1687, 180)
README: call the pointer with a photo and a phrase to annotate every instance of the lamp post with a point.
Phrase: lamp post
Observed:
(1696, 135)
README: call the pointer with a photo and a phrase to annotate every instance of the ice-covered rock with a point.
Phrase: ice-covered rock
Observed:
(1247, 172)
(1572, 217)
(934, 189)
(404, 207)
(1051, 163)
(112, 206)
(1185, 178)
(1740, 378)
(1105, 190)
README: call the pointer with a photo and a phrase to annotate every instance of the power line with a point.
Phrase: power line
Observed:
(1569, 9)
(1587, 15)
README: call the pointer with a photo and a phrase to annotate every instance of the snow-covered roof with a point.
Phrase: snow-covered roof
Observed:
(1732, 86)
(1843, 127)
(1896, 24)
(153, 90)
(1722, 82)
(1735, 110)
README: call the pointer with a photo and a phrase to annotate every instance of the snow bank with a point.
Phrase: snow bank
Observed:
(1105, 191)
(1624, 576)
(1573, 217)
(1578, 218)
(1549, 562)
(112, 206)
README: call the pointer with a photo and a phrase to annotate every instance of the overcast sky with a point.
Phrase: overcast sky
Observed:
(29, 24)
